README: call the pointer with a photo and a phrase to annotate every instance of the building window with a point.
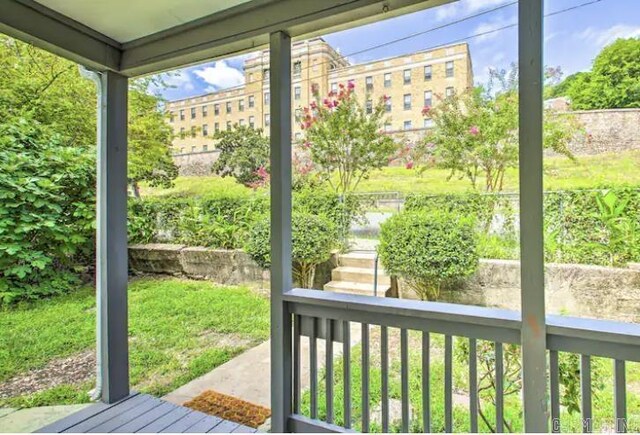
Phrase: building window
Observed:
(406, 76)
(298, 136)
(449, 92)
(228, 106)
(193, 131)
(369, 106)
(241, 123)
(205, 130)
(182, 150)
(407, 101)
(204, 111)
(428, 98)
(407, 125)
(182, 134)
(216, 109)
(428, 122)
(267, 98)
(193, 113)
(252, 121)
(181, 114)
(297, 92)
(216, 127)
(387, 126)
(449, 68)
(193, 148)
(428, 72)
(387, 80)
(298, 114)
(241, 105)
(172, 116)
(297, 68)
(267, 120)
(387, 105)
(205, 148)
(369, 83)
(334, 87)
(252, 101)
(265, 74)
(228, 125)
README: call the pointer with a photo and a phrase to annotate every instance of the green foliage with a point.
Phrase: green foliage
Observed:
(46, 210)
(343, 139)
(313, 238)
(613, 82)
(429, 250)
(243, 152)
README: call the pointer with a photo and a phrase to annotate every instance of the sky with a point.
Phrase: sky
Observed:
(572, 39)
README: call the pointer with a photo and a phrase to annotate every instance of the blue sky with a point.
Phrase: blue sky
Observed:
(572, 39)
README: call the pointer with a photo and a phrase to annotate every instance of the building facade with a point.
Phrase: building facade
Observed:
(410, 82)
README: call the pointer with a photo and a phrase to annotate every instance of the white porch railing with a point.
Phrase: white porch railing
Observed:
(325, 315)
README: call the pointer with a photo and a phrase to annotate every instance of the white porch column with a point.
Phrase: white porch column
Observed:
(281, 352)
(111, 259)
(530, 60)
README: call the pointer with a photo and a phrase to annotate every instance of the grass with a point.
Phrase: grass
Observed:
(179, 330)
(560, 173)
(602, 399)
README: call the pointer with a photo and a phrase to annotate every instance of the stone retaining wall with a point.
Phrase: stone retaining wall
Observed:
(218, 265)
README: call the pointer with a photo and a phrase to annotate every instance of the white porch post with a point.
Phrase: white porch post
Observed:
(530, 60)
(112, 236)
(281, 352)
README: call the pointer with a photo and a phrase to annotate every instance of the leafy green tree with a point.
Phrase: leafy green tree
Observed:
(244, 155)
(345, 138)
(613, 82)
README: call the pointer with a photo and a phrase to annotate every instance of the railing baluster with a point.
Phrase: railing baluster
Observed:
(384, 363)
(554, 381)
(499, 389)
(426, 381)
(404, 378)
(585, 392)
(473, 385)
(620, 395)
(448, 383)
(329, 370)
(313, 368)
(346, 362)
(296, 364)
(365, 377)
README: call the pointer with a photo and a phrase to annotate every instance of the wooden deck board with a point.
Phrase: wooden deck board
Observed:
(143, 414)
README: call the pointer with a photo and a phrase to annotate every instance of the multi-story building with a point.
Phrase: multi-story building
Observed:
(409, 81)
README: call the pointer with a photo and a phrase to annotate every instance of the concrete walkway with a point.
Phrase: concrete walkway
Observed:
(32, 419)
(248, 375)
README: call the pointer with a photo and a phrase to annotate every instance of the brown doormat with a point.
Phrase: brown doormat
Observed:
(229, 408)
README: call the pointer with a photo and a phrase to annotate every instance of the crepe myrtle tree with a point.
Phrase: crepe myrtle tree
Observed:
(475, 134)
(345, 138)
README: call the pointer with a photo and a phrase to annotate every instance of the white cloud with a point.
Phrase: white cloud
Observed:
(179, 79)
(220, 75)
(465, 7)
(488, 27)
(602, 37)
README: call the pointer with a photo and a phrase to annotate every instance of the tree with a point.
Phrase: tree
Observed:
(244, 155)
(613, 82)
(345, 139)
(476, 133)
(54, 94)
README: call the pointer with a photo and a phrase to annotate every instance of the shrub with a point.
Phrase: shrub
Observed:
(313, 238)
(244, 154)
(46, 211)
(429, 250)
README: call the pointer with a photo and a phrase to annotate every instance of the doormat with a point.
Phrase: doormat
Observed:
(229, 408)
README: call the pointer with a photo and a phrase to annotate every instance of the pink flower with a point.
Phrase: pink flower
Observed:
(474, 130)
(351, 85)
(306, 145)
(307, 124)
(409, 165)
(426, 110)
(431, 145)
(326, 102)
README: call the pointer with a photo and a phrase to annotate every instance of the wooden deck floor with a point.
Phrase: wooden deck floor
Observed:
(145, 414)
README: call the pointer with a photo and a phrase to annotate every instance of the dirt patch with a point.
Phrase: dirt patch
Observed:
(225, 340)
(75, 369)
(229, 408)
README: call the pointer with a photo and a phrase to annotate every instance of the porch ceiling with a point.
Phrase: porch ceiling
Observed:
(136, 37)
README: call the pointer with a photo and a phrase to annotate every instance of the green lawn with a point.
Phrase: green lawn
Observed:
(179, 330)
(561, 173)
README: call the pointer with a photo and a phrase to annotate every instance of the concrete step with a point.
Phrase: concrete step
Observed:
(355, 288)
(358, 259)
(359, 274)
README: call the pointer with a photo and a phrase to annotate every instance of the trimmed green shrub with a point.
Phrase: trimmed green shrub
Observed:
(313, 239)
(429, 250)
(47, 207)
